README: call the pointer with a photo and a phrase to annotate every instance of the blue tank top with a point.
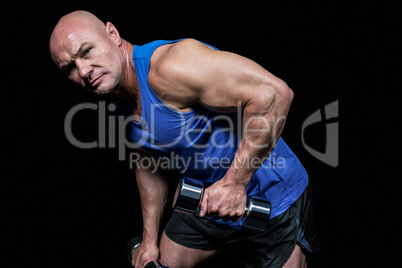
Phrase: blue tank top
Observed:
(201, 144)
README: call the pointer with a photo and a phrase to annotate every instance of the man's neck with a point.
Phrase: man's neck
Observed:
(128, 88)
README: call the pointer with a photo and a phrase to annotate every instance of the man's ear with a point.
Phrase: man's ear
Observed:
(113, 34)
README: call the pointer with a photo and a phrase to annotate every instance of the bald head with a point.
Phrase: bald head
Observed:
(88, 51)
(72, 24)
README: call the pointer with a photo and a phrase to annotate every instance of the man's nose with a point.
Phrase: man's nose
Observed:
(84, 68)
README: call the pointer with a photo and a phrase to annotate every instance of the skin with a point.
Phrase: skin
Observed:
(94, 56)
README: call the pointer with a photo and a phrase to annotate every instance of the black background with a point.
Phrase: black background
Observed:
(70, 207)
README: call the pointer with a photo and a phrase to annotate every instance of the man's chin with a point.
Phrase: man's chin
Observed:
(101, 90)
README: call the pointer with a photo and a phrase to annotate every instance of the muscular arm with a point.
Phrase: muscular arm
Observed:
(194, 73)
(153, 193)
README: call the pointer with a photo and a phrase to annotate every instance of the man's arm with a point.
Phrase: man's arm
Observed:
(194, 73)
(153, 191)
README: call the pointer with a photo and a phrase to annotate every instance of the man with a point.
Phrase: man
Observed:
(185, 98)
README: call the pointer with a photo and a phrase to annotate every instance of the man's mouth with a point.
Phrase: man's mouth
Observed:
(96, 81)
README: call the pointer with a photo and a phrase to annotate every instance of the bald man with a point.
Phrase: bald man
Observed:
(170, 86)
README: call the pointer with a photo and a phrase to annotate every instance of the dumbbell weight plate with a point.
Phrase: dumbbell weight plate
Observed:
(135, 243)
(257, 214)
(132, 245)
(188, 196)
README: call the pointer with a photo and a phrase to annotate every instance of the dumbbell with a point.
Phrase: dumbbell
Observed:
(188, 197)
(132, 245)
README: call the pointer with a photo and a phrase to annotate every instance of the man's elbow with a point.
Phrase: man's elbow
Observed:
(276, 94)
(285, 93)
(289, 94)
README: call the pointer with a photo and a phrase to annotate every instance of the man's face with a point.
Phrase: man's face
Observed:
(88, 56)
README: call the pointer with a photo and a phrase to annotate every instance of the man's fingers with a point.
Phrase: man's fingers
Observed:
(134, 254)
(204, 205)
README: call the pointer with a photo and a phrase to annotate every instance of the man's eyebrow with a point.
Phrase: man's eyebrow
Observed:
(68, 66)
(80, 48)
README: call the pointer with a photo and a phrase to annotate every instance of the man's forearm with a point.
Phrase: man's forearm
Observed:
(264, 118)
(153, 193)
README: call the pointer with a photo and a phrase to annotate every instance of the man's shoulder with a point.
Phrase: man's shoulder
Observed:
(178, 55)
(186, 43)
(173, 71)
(170, 57)
(178, 50)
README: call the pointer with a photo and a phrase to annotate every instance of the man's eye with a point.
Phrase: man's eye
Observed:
(86, 51)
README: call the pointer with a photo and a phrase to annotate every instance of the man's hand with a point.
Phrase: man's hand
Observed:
(143, 255)
(224, 200)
